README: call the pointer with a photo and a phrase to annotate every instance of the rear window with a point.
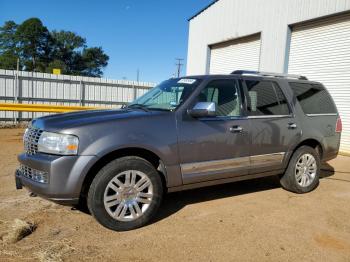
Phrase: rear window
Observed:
(313, 98)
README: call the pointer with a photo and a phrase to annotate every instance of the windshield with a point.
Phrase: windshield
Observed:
(168, 95)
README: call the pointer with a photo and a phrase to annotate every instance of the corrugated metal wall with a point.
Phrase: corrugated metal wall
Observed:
(242, 53)
(44, 88)
(231, 19)
(321, 51)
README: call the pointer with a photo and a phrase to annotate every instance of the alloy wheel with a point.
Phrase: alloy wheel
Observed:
(305, 170)
(128, 195)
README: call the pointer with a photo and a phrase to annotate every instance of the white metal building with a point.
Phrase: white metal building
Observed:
(308, 37)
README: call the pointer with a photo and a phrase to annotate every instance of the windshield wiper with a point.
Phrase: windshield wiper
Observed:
(139, 106)
(159, 109)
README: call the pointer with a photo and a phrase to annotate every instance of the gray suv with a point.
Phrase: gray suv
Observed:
(184, 133)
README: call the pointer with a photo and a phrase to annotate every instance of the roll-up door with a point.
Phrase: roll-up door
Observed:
(242, 53)
(320, 50)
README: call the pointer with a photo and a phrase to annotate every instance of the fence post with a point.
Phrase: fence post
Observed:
(135, 91)
(19, 96)
(15, 95)
(82, 93)
(16, 90)
(32, 90)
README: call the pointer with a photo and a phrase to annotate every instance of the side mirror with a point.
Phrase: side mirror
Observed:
(203, 109)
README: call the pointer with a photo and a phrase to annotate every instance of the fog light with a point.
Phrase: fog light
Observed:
(40, 177)
(35, 175)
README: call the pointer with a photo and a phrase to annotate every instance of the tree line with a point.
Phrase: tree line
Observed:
(35, 48)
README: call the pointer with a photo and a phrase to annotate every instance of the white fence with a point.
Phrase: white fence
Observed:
(41, 88)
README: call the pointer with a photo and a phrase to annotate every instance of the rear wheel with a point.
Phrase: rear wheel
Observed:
(302, 174)
(125, 194)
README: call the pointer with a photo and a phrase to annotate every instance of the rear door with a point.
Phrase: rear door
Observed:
(274, 126)
(217, 147)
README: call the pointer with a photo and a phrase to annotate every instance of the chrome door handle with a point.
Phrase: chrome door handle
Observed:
(292, 126)
(236, 129)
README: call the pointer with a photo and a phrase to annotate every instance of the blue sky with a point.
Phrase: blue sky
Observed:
(142, 34)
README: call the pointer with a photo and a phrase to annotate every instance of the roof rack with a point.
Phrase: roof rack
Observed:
(259, 73)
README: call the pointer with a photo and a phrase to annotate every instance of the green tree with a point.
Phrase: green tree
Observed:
(8, 45)
(33, 44)
(93, 60)
(66, 40)
(8, 41)
(8, 60)
(58, 64)
(66, 49)
(40, 50)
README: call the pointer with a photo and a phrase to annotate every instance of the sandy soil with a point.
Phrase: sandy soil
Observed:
(246, 221)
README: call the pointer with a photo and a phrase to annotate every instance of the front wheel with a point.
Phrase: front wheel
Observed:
(303, 171)
(125, 194)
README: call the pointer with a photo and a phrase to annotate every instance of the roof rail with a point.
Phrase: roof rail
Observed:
(259, 73)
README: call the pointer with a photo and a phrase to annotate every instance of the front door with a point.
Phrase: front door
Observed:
(217, 147)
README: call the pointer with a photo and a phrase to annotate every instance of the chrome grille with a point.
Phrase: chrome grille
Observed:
(33, 174)
(30, 139)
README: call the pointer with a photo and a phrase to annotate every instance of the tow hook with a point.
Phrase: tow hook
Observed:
(18, 181)
(31, 194)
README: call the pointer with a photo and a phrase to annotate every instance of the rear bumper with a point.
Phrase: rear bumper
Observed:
(66, 175)
(330, 155)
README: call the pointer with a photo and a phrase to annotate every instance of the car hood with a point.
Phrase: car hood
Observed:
(75, 119)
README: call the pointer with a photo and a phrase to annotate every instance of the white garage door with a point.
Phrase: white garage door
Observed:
(321, 51)
(243, 53)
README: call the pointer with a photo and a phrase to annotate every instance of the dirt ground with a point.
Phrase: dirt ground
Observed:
(246, 221)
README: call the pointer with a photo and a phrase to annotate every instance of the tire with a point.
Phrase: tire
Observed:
(122, 182)
(300, 178)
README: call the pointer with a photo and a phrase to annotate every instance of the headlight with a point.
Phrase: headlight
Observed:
(59, 144)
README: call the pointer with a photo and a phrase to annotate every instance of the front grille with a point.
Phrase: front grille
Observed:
(30, 139)
(33, 174)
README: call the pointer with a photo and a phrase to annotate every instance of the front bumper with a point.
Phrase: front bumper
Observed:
(66, 175)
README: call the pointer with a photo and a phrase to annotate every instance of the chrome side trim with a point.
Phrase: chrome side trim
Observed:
(232, 164)
(223, 181)
(215, 165)
(266, 160)
(222, 118)
(330, 114)
(269, 116)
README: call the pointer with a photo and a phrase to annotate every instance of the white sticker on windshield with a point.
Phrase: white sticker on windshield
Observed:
(188, 81)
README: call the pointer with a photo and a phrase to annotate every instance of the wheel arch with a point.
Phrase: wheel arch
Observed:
(288, 179)
(311, 142)
(146, 154)
(315, 144)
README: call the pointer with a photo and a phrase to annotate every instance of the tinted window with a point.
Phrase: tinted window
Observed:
(313, 98)
(266, 98)
(225, 94)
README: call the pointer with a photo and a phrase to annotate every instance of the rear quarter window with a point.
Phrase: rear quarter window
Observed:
(313, 98)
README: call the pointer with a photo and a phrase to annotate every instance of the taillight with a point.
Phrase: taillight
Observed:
(339, 126)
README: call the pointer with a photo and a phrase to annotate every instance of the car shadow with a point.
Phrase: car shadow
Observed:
(326, 170)
(174, 202)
